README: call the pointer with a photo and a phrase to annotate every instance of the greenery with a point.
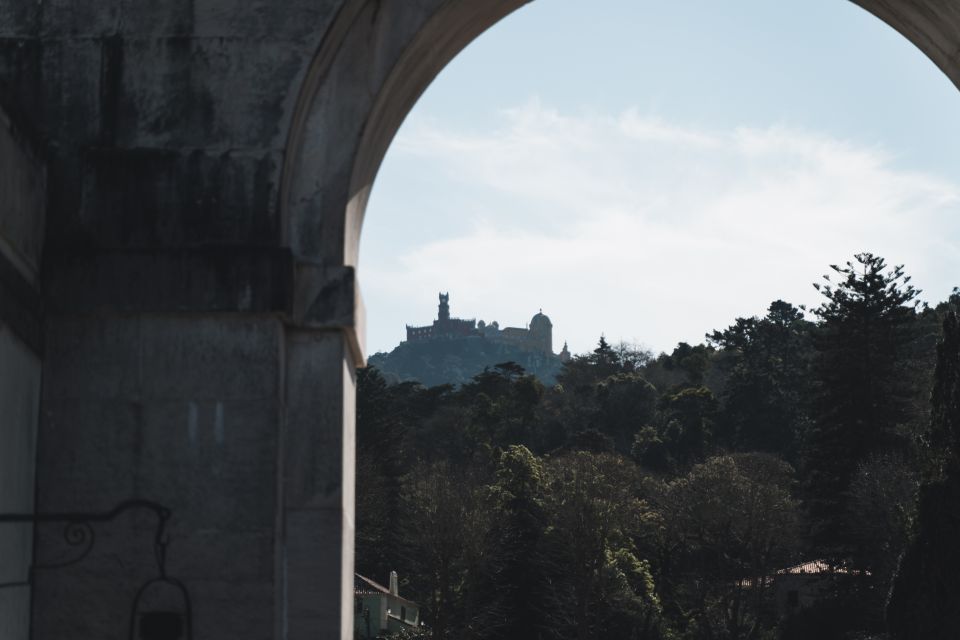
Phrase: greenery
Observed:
(666, 497)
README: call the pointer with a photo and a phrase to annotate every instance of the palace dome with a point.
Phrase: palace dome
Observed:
(540, 321)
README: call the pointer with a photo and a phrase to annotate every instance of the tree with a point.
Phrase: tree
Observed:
(503, 405)
(631, 357)
(604, 392)
(443, 526)
(863, 390)
(687, 416)
(624, 402)
(686, 365)
(925, 593)
(883, 496)
(945, 397)
(683, 433)
(766, 399)
(381, 433)
(730, 522)
(508, 598)
(599, 585)
(583, 371)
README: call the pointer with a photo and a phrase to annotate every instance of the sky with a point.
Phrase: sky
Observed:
(650, 170)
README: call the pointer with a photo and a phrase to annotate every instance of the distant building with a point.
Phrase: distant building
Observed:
(379, 610)
(800, 586)
(444, 326)
(537, 336)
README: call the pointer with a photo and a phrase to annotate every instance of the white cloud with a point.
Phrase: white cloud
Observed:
(647, 229)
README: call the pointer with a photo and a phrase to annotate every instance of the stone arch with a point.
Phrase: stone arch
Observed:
(346, 118)
(374, 63)
(933, 26)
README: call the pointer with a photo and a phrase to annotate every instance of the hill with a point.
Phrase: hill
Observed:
(456, 360)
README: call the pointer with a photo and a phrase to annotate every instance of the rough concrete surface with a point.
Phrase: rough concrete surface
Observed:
(22, 210)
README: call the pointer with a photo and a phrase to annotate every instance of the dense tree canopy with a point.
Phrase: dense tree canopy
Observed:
(662, 497)
(767, 395)
(923, 601)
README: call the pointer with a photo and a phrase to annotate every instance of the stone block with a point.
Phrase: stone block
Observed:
(215, 358)
(226, 93)
(20, 73)
(214, 463)
(22, 199)
(210, 280)
(156, 198)
(89, 451)
(329, 298)
(249, 19)
(80, 18)
(69, 110)
(229, 609)
(19, 18)
(15, 613)
(211, 554)
(318, 442)
(22, 222)
(301, 20)
(77, 603)
(20, 372)
(92, 358)
(318, 574)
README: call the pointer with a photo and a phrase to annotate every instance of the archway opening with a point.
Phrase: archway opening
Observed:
(834, 178)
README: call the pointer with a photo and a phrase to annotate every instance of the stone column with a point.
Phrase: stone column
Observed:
(318, 525)
(323, 350)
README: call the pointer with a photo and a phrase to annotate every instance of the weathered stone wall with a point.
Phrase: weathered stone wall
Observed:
(168, 119)
(22, 206)
(179, 409)
(168, 293)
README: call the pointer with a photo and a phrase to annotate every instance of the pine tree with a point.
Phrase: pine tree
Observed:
(863, 392)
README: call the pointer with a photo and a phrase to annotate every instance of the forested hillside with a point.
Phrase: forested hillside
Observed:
(457, 360)
(655, 497)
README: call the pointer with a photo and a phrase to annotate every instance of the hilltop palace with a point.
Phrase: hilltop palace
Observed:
(537, 337)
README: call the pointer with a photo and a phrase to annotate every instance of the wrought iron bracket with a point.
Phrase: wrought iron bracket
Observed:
(78, 531)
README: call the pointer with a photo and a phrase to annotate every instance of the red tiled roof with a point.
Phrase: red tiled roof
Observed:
(816, 567)
(809, 568)
(363, 586)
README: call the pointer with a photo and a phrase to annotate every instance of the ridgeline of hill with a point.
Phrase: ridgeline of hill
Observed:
(457, 359)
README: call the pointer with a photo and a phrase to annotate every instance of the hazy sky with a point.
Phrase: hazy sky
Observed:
(653, 170)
